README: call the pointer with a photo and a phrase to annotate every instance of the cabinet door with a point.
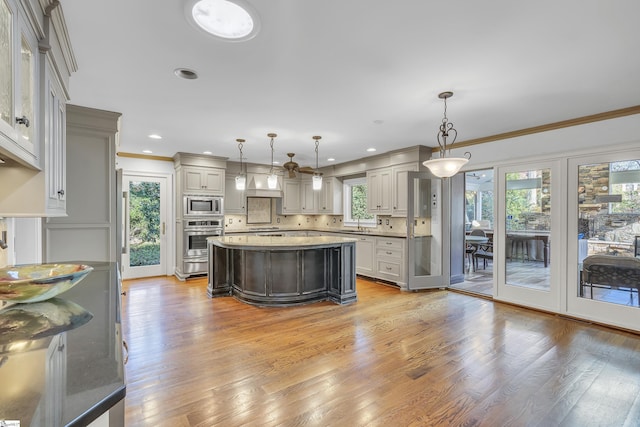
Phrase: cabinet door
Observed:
(291, 197)
(55, 147)
(214, 181)
(330, 197)
(234, 200)
(6, 66)
(379, 191)
(400, 184)
(18, 90)
(193, 180)
(365, 251)
(203, 180)
(308, 197)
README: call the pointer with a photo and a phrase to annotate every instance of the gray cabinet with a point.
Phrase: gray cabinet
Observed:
(290, 203)
(379, 182)
(18, 85)
(33, 86)
(203, 180)
(89, 231)
(365, 253)
(330, 197)
(400, 193)
(234, 200)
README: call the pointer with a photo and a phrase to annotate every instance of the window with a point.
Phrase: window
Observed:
(355, 203)
(625, 182)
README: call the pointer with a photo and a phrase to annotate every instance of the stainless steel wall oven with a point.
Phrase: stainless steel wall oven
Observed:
(194, 242)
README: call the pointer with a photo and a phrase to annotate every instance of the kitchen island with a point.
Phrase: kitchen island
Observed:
(61, 360)
(282, 271)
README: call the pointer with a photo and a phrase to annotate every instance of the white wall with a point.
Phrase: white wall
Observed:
(597, 136)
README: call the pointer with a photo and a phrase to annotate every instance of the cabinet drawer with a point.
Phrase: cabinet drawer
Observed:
(389, 270)
(388, 253)
(384, 243)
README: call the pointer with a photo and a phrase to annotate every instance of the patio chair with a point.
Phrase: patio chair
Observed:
(611, 271)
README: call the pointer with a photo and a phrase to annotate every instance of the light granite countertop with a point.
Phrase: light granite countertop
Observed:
(244, 241)
(267, 230)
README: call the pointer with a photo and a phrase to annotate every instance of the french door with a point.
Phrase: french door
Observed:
(604, 228)
(528, 234)
(427, 225)
(144, 227)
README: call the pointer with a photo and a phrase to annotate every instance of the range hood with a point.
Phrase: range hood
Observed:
(257, 187)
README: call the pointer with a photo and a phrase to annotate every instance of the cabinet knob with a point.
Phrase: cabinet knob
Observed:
(23, 121)
(61, 192)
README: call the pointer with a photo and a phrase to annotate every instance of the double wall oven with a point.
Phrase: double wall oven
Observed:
(197, 225)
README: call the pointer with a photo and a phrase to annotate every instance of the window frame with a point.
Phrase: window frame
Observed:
(348, 221)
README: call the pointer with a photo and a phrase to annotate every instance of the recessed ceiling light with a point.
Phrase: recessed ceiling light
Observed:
(207, 152)
(231, 20)
(371, 150)
(147, 151)
(331, 159)
(275, 162)
(185, 73)
(155, 136)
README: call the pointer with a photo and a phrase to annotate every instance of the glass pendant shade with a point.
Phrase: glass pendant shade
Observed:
(317, 182)
(241, 182)
(445, 167)
(272, 181)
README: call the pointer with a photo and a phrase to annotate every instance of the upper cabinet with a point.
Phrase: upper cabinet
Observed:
(203, 180)
(400, 175)
(379, 184)
(36, 61)
(18, 85)
(308, 197)
(234, 200)
(196, 174)
(330, 197)
(290, 203)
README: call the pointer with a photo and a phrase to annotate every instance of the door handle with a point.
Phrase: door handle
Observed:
(164, 228)
(125, 226)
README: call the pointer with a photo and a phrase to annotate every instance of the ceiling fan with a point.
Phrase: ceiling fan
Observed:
(293, 167)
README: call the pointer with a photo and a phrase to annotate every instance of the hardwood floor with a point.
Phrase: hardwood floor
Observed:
(391, 359)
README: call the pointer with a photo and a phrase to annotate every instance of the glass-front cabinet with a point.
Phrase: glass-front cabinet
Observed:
(18, 82)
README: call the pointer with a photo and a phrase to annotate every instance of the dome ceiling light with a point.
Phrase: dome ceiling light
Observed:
(446, 167)
(231, 20)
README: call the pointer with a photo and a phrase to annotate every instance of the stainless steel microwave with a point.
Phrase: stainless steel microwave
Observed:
(202, 205)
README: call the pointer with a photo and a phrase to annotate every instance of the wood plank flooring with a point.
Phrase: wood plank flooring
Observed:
(391, 359)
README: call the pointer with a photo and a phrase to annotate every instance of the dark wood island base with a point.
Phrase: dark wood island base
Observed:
(282, 271)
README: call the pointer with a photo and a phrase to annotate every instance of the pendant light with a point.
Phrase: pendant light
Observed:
(241, 178)
(272, 179)
(317, 176)
(446, 167)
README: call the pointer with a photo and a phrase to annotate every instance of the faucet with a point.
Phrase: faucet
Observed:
(3, 240)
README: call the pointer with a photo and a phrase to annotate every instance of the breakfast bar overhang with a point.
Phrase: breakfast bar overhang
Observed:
(282, 271)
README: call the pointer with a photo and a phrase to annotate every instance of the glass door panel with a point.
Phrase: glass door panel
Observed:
(528, 230)
(426, 225)
(603, 273)
(145, 227)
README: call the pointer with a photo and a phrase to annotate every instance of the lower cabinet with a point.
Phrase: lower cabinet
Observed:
(365, 251)
(381, 258)
(390, 256)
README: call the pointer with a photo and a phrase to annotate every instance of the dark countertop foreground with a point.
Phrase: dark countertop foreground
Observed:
(61, 360)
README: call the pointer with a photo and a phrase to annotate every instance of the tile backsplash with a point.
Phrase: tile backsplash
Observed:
(386, 224)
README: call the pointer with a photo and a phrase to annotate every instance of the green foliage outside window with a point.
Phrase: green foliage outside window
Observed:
(144, 223)
(359, 202)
